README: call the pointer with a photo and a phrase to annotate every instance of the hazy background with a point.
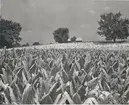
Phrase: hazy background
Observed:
(39, 18)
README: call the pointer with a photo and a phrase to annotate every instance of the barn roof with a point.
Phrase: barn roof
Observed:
(79, 39)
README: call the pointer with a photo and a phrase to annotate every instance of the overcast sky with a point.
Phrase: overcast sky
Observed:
(39, 18)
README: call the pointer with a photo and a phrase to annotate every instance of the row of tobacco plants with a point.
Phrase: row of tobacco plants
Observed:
(59, 76)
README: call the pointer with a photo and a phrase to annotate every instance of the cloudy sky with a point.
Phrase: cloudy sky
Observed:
(39, 18)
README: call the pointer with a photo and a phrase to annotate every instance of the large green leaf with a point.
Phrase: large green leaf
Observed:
(81, 91)
(57, 99)
(81, 62)
(90, 101)
(53, 91)
(4, 75)
(28, 95)
(16, 92)
(92, 83)
(12, 96)
(46, 100)
(76, 98)
(125, 96)
(54, 70)
(66, 67)
(70, 75)
(64, 76)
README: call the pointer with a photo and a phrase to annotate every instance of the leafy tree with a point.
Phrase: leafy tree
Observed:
(113, 26)
(73, 39)
(16, 45)
(25, 45)
(61, 35)
(36, 43)
(9, 33)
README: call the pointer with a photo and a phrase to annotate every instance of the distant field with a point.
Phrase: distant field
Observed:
(88, 45)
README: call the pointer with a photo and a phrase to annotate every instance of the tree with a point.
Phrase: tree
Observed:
(113, 26)
(36, 43)
(61, 35)
(25, 45)
(73, 39)
(9, 33)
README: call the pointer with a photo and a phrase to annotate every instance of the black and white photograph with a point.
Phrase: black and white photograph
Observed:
(61, 52)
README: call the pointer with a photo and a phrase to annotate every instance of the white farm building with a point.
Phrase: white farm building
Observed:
(77, 40)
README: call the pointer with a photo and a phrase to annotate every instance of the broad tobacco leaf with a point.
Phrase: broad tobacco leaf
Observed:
(28, 95)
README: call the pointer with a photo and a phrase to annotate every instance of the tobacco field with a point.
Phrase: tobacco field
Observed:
(64, 76)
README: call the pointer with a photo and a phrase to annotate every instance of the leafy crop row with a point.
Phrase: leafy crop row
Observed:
(58, 76)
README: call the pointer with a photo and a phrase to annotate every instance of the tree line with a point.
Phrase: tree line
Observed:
(112, 26)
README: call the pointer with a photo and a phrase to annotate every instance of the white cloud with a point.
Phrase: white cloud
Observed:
(92, 12)
(107, 8)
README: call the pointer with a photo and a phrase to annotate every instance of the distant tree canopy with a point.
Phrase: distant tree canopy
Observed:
(25, 45)
(73, 39)
(61, 35)
(9, 33)
(113, 26)
(36, 43)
